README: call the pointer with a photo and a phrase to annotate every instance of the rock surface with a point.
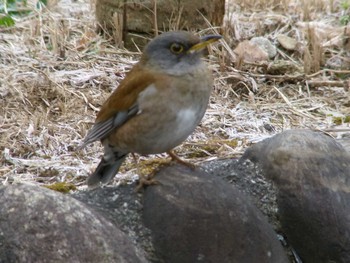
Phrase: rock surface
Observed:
(123, 207)
(40, 225)
(197, 217)
(312, 174)
(248, 178)
(265, 45)
(301, 184)
(250, 52)
(287, 42)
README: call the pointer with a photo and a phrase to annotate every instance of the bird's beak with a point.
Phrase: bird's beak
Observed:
(205, 41)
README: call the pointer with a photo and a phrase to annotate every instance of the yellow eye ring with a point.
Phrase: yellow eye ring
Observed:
(176, 48)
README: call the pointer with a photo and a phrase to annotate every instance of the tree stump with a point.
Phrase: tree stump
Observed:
(147, 17)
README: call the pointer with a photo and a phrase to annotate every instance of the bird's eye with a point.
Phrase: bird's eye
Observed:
(176, 48)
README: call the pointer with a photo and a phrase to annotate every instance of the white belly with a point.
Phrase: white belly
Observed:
(186, 122)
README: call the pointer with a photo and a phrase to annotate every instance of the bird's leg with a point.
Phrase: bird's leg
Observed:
(144, 180)
(176, 158)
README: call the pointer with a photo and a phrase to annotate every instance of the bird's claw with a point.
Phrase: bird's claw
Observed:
(145, 181)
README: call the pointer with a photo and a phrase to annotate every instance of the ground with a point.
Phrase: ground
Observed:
(56, 71)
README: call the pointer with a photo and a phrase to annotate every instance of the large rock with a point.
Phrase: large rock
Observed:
(312, 174)
(197, 217)
(40, 225)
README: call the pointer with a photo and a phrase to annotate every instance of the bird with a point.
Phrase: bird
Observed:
(156, 106)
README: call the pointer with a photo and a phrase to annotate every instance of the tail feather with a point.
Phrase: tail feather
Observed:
(105, 171)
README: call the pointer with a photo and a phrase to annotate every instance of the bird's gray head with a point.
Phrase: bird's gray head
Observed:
(176, 52)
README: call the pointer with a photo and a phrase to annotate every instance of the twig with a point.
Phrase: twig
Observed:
(327, 83)
(155, 20)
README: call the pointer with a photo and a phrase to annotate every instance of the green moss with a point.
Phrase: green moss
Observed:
(231, 143)
(196, 154)
(340, 120)
(61, 187)
(337, 120)
(149, 166)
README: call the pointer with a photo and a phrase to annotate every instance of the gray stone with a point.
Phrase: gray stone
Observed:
(197, 217)
(40, 225)
(266, 45)
(345, 141)
(248, 178)
(312, 173)
(122, 206)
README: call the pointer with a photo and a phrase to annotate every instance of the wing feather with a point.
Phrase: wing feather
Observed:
(122, 104)
(102, 129)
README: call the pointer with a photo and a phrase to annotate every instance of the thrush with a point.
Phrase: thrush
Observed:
(157, 105)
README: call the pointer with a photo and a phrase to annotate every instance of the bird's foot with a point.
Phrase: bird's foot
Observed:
(146, 181)
(176, 158)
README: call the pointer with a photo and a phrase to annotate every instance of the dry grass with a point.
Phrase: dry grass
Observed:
(55, 72)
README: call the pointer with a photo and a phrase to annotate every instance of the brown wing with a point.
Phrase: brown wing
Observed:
(121, 105)
(125, 96)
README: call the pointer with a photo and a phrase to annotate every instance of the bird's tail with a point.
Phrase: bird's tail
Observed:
(105, 171)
